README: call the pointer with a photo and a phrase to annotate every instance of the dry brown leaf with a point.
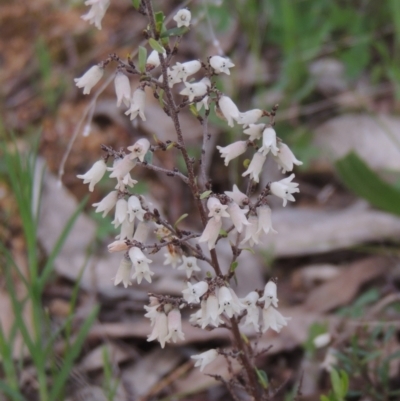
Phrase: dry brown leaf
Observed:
(342, 289)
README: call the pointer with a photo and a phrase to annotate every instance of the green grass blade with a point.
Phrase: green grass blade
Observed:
(13, 394)
(364, 182)
(60, 242)
(71, 355)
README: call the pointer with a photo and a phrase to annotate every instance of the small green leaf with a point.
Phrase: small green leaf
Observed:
(160, 97)
(156, 46)
(345, 382)
(262, 378)
(205, 194)
(244, 338)
(159, 17)
(324, 398)
(336, 383)
(180, 219)
(136, 4)
(142, 59)
(208, 274)
(193, 110)
(250, 250)
(234, 265)
(364, 182)
(171, 145)
(175, 32)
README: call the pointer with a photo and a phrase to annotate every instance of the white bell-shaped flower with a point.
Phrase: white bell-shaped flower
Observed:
(228, 302)
(255, 167)
(221, 64)
(284, 189)
(175, 326)
(203, 102)
(94, 175)
(228, 109)
(249, 117)
(189, 264)
(195, 318)
(269, 142)
(139, 149)
(232, 151)
(122, 89)
(127, 181)
(251, 235)
(97, 11)
(152, 310)
(238, 216)
(121, 212)
(182, 17)
(285, 158)
(89, 79)
(142, 232)
(216, 208)
(173, 77)
(184, 70)
(153, 60)
(270, 296)
(107, 203)
(210, 316)
(254, 131)
(117, 246)
(121, 167)
(193, 292)
(195, 89)
(172, 257)
(205, 358)
(138, 102)
(264, 219)
(211, 232)
(127, 228)
(273, 319)
(124, 273)
(141, 264)
(239, 197)
(160, 329)
(135, 208)
(253, 311)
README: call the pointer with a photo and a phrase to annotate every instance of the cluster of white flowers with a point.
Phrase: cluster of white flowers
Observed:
(246, 219)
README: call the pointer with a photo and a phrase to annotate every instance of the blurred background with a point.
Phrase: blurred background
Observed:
(334, 69)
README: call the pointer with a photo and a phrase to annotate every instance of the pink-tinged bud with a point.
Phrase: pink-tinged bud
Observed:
(117, 246)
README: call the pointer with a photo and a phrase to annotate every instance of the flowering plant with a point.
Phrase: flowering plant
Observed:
(242, 218)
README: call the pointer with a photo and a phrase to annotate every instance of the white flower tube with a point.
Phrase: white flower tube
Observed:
(96, 12)
(252, 236)
(205, 358)
(135, 208)
(139, 149)
(184, 70)
(122, 89)
(94, 175)
(121, 212)
(211, 232)
(216, 208)
(189, 264)
(195, 89)
(89, 79)
(138, 103)
(239, 197)
(264, 219)
(160, 329)
(238, 216)
(124, 273)
(269, 142)
(175, 326)
(221, 64)
(127, 228)
(249, 117)
(284, 189)
(121, 167)
(253, 312)
(270, 295)
(232, 151)
(210, 315)
(285, 158)
(107, 203)
(228, 109)
(273, 319)
(193, 292)
(255, 167)
(153, 61)
(254, 131)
